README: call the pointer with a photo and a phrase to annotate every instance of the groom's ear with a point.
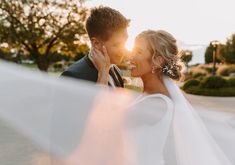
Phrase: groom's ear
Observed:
(96, 43)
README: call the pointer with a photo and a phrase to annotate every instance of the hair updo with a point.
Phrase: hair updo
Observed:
(162, 43)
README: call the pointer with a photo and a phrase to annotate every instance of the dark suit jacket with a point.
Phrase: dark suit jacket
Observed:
(84, 69)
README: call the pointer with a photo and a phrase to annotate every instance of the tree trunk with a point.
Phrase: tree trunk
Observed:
(43, 67)
(41, 59)
(42, 63)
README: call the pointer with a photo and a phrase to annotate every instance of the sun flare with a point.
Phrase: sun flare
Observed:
(129, 45)
(131, 38)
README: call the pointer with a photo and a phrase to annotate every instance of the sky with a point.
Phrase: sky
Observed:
(192, 22)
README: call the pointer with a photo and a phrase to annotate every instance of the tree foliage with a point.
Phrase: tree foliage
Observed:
(227, 54)
(44, 28)
(186, 57)
(209, 54)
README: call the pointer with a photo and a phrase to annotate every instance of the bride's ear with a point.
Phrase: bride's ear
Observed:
(159, 61)
(96, 43)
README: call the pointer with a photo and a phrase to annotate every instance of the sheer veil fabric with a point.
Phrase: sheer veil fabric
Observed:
(76, 122)
(193, 143)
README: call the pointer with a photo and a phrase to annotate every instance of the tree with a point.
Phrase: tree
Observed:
(227, 54)
(5, 52)
(44, 27)
(209, 54)
(186, 57)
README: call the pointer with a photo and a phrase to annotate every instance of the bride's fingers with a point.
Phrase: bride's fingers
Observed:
(98, 52)
(97, 56)
(93, 55)
(93, 52)
(104, 50)
(100, 55)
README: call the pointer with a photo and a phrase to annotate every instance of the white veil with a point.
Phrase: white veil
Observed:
(45, 120)
(193, 143)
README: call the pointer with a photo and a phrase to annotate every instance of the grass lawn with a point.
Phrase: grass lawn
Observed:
(31, 66)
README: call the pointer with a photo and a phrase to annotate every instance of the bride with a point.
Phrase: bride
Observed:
(161, 124)
(85, 124)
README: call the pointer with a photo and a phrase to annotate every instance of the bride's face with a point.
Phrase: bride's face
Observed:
(141, 59)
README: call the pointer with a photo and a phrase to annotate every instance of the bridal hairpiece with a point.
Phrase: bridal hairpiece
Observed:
(170, 68)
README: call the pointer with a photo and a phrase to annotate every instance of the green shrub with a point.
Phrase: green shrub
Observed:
(209, 69)
(190, 83)
(211, 86)
(197, 75)
(226, 70)
(213, 82)
(186, 77)
(231, 82)
(197, 90)
(203, 69)
(200, 78)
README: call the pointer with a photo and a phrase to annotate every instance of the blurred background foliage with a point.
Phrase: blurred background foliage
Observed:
(42, 32)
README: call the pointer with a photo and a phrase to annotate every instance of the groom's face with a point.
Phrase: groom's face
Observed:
(115, 46)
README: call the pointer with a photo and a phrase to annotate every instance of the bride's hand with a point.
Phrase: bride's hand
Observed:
(102, 63)
(100, 59)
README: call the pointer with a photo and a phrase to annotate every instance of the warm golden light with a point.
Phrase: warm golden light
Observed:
(129, 45)
(131, 38)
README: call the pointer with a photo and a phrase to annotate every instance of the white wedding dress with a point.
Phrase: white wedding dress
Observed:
(149, 128)
(75, 122)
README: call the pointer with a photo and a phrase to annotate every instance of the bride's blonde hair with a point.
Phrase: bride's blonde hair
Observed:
(162, 43)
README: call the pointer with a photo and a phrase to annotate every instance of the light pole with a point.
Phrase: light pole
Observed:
(187, 53)
(214, 44)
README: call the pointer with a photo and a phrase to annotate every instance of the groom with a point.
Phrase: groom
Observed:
(106, 28)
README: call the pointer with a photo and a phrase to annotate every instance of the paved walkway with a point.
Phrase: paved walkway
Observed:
(224, 104)
(218, 115)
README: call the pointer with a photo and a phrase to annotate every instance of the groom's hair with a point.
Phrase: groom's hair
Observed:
(104, 21)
